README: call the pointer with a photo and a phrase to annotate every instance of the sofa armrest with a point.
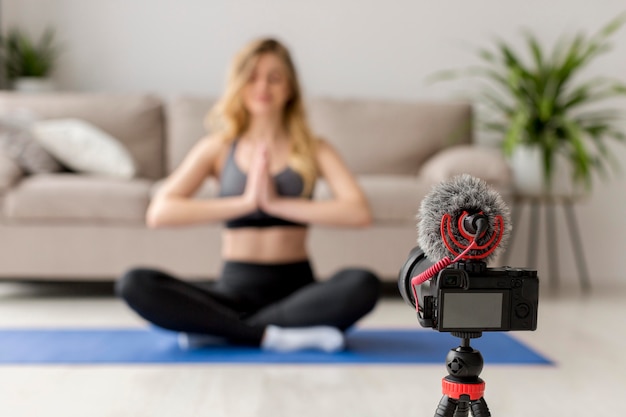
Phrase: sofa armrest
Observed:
(10, 173)
(479, 161)
(393, 199)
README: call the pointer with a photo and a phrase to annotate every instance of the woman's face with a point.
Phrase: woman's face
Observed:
(267, 90)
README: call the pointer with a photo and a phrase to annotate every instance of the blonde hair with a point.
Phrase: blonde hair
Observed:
(230, 118)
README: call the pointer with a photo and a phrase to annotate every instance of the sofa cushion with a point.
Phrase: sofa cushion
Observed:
(389, 137)
(392, 198)
(208, 189)
(76, 198)
(185, 125)
(372, 136)
(135, 119)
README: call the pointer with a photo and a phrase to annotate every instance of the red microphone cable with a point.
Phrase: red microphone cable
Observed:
(490, 245)
(433, 270)
(446, 230)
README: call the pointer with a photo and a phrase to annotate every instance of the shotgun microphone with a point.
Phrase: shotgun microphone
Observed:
(463, 217)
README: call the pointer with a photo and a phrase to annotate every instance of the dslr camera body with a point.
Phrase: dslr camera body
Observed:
(468, 297)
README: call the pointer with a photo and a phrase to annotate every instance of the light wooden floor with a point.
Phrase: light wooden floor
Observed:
(584, 335)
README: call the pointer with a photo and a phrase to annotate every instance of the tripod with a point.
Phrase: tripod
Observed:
(462, 388)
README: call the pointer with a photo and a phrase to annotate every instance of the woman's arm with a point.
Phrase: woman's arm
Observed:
(349, 207)
(174, 205)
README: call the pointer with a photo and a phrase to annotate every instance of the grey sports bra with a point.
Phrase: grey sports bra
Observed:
(233, 182)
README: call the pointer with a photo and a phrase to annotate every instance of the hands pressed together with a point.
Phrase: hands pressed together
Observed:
(260, 191)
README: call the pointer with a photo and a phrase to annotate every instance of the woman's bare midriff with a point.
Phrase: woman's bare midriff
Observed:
(265, 245)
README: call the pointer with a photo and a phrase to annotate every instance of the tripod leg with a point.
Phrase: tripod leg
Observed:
(446, 407)
(479, 408)
(462, 409)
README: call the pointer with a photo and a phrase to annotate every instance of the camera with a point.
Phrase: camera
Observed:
(470, 297)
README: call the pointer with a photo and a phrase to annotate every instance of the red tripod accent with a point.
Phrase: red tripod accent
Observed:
(457, 389)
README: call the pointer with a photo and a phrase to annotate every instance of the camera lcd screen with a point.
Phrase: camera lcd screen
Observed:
(470, 310)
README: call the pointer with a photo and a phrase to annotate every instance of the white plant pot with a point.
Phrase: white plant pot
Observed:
(527, 167)
(33, 85)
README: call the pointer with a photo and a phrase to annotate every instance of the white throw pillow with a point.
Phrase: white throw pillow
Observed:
(84, 148)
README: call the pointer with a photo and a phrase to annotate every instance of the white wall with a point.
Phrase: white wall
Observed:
(343, 48)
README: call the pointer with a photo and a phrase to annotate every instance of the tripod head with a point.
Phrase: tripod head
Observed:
(464, 363)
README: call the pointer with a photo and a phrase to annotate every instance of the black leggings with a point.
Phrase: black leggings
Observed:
(248, 297)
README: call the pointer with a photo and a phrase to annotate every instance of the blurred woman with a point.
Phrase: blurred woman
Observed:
(267, 161)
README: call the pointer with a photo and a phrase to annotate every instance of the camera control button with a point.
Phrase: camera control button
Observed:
(522, 311)
(517, 283)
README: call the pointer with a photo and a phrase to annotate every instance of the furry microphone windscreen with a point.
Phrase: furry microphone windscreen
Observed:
(453, 197)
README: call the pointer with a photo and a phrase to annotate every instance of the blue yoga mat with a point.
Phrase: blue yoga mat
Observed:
(151, 345)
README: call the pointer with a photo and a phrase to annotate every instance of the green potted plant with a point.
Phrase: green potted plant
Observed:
(544, 113)
(28, 63)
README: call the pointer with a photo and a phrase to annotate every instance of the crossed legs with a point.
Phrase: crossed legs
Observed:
(182, 306)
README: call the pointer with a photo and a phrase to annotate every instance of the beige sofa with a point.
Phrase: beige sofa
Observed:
(71, 226)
